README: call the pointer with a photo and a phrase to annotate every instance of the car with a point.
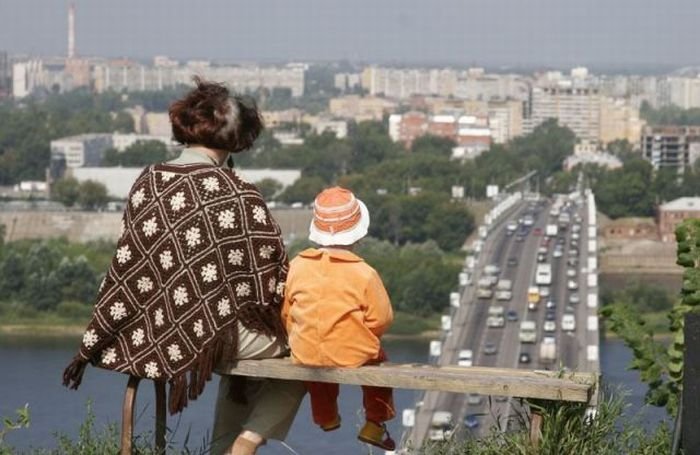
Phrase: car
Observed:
(551, 304)
(571, 273)
(573, 244)
(550, 315)
(544, 291)
(575, 236)
(568, 322)
(576, 228)
(561, 240)
(572, 285)
(572, 261)
(573, 252)
(524, 358)
(474, 399)
(490, 348)
(512, 315)
(545, 242)
(542, 250)
(569, 310)
(500, 399)
(471, 421)
(574, 299)
(465, 358)
(492, 269)
(549, 326)
(512, 261)
(541, 257)
(519, 238)
(557, 253)
(537, 231)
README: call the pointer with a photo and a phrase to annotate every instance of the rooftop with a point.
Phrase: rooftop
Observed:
(683, 203)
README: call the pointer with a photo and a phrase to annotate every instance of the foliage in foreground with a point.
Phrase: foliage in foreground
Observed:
(661, 366)
(567, 429)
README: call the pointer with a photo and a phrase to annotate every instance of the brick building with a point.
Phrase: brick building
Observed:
(673, 213)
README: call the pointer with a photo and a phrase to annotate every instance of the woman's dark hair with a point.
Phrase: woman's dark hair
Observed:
(209, 115)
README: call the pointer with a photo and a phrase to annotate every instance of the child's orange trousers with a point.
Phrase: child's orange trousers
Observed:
(377, 401)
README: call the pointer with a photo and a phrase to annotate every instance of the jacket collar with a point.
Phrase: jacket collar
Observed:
(339, 255)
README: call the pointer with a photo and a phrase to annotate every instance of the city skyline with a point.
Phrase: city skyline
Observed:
(539, 33)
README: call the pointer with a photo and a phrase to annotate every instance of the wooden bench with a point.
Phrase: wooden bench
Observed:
(537, 384)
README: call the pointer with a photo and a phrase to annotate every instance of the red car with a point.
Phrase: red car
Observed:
(537, 231)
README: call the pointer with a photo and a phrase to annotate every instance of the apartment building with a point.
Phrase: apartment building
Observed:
(671, 146)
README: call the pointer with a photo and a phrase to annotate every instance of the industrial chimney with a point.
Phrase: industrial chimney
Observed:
(71, 31)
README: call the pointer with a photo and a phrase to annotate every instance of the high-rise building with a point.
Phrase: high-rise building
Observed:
(671, 146)
(619, 119)
(576, 108)
(505, 120)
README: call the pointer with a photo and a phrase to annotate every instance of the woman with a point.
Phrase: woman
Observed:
(197, 280)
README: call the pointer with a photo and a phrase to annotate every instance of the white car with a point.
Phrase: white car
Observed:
(572, 285)
(544, 292)
(557, 253)
(568, 322)
(465, 358)
(550, 326)
(571, 273)
(474, 399)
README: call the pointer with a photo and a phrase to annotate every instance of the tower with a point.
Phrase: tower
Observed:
(71, 31)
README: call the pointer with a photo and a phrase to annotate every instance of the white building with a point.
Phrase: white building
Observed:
(576, 108)
(82, 150)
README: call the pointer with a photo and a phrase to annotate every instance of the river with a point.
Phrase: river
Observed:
(31, 373)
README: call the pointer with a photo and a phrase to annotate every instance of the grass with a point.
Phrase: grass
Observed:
(568, 428)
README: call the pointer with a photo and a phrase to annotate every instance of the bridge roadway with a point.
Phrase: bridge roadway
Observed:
(469, 330)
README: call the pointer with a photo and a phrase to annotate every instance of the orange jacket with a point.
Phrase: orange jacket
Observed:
(335, 309)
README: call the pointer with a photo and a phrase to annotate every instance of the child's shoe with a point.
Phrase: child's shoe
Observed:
(377, 435)
(333, 425)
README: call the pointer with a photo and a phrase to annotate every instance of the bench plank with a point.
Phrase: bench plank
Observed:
(577, 387)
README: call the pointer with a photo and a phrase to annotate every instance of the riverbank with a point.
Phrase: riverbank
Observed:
(46, 325)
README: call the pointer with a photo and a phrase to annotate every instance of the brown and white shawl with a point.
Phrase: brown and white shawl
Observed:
(199, 251)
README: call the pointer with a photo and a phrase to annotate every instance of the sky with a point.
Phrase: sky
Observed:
(463, 32)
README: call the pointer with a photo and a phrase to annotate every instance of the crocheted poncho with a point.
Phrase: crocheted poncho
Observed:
(199, 251)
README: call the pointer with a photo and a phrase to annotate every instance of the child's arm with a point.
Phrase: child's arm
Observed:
(378, 311)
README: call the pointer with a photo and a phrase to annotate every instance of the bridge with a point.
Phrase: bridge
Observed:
(499, 290)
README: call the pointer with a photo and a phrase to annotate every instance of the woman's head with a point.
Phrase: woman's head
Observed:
(208, 115)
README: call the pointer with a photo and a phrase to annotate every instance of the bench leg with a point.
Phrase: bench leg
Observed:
(128, 415)
(535, 429)
(160, 417)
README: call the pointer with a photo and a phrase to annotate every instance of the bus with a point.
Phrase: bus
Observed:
(543, 275)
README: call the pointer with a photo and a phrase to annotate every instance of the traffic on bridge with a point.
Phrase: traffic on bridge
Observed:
(528, 299)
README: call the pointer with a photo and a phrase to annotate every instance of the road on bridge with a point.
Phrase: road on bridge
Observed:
(516, 255)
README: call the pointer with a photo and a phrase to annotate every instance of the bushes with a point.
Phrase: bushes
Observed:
(41, 274)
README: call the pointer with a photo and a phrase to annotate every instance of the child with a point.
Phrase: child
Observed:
(336, 309)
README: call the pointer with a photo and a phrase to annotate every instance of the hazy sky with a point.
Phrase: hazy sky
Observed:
(485, 32)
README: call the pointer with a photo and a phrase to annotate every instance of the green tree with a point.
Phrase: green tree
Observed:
(303, 190)
(269, 188)
(66, 191)
(433, 146)
(92, 195)
(141, 153)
